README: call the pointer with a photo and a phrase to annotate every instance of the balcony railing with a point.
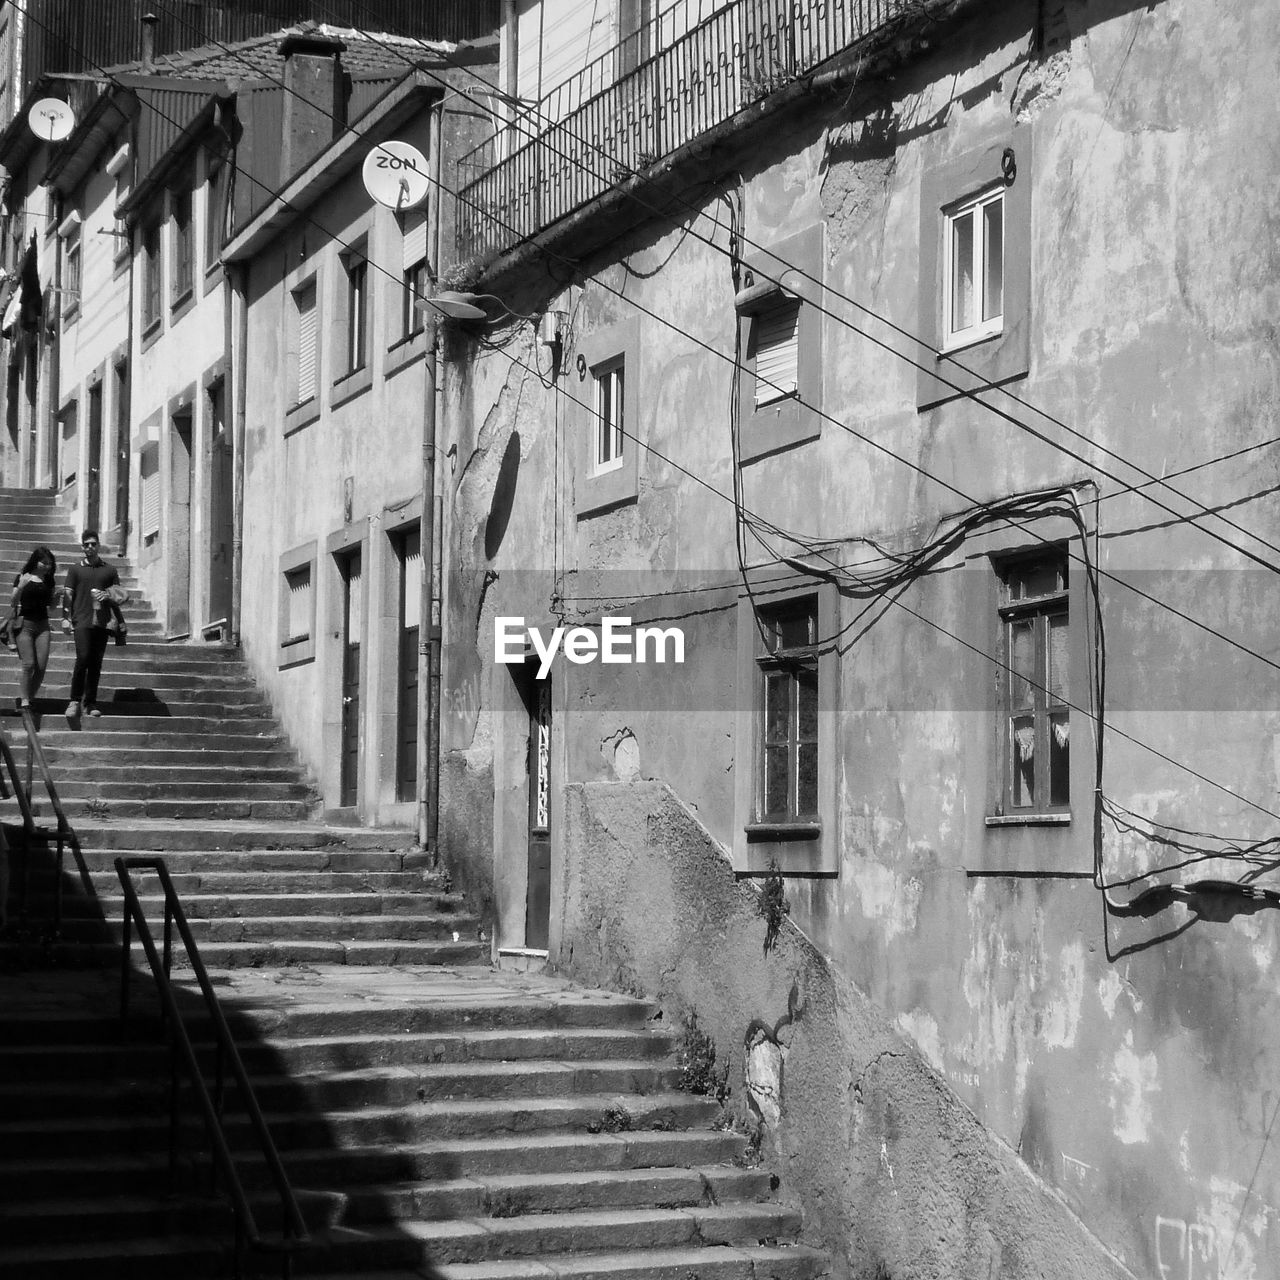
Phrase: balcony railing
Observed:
(693, 67)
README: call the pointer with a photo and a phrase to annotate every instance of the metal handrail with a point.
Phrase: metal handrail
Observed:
(294, 1231)
(63, 833)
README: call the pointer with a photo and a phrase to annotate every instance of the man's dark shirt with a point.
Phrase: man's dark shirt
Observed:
(82, 580)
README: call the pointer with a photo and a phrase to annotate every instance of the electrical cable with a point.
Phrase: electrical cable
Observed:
(1136, 741)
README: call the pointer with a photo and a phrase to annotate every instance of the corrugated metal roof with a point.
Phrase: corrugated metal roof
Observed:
(166, 113)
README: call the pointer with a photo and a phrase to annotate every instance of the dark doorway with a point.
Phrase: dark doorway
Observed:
(409, 559)
(93, 462)
(352, 612)
(536, 696)
(120, 403)
(179, 525)
(221, 510)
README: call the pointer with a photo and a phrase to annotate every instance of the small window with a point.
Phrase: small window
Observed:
(215, 218)
(149, 493)
(1035, 718)
(306, 367)
(775, 346)
(414, 273)
(71, 277)
(787, 779)
(297, 612)
(973, 269)
(152, 276)
(183, 246)
(610, 386)
(357, 343)
(68, 445)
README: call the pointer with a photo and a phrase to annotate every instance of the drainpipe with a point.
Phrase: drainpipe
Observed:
(238, 286)
(428, 616)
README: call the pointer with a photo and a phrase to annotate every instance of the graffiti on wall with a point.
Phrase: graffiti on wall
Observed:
(1186, 1250)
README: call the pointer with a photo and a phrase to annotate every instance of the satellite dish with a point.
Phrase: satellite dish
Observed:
(51, 119)
(395, 174)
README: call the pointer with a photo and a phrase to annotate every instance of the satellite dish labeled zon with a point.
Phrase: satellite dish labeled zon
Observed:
(51, 119)
(395, 174)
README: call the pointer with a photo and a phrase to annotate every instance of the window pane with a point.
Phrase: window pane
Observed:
(795, 628)
(993, 259)
(807, 778)
(1022, 664)
(1022, 740)
(1059, 759)
(775, 779)
(619, 375)
(807, 696)
(962, 272)
(1038, 578)
(777, 706)
(1058, 658)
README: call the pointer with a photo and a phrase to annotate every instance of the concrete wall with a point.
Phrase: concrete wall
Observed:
(1126, 1054)
(892, 1169)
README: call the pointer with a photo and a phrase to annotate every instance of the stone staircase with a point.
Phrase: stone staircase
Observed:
(436, 1118)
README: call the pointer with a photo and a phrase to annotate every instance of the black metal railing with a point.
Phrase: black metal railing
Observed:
(693, 67)
(293, 1229)
(61, 834)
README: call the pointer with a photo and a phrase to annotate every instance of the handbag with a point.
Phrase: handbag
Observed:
(10, 628)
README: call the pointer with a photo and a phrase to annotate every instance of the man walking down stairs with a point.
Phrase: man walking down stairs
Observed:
(433, 1116)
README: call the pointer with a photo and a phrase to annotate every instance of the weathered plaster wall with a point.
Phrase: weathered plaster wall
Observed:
(891, 1168)
(1127, 1057)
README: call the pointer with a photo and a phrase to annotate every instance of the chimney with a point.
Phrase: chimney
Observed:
(314, 106)
(149, 24)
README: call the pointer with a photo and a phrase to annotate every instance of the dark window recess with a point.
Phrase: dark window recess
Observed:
(183, 246)
(787, 788)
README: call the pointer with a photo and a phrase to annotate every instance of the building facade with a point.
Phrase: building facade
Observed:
(891, 354)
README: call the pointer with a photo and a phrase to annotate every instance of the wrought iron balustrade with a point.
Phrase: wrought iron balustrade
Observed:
(693, 67)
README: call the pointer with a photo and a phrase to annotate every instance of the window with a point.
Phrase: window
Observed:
(787, 759)
(152, 277)
(183, 245)
(610, 383)
(306, 364)
(1034, 718)
(973, 269)
(149, 493)
(357, 338)
(297, 616)
(414, 272)
(607, 427)
(776, 351)
(780, 339)
(68, 444)
(71, 276)
(215, 209)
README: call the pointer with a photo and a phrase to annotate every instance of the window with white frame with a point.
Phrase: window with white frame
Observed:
(1035, 717)
(973, 268)
(152, 276)
(296, 619)
(775, 347)
(357, 335)
(307, 355)
(610, 388)
(71, 275)
(297, 610)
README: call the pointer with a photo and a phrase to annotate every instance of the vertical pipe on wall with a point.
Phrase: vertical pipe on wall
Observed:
(237, 275)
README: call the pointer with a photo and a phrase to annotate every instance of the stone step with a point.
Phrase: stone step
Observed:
(114, 1217)
(600, 1230)
(213, 785)
(235, 861)
(315, 934)
(196, 1257)
(436, 1121)
(173, 838)
(204, 908)
(710, 1262)
(103, 757)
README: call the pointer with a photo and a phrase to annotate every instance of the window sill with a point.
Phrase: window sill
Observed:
(151, 332)
(302, 415)
(70, 316)
(120, 265)
(293, 653)
(801, 830)
(212, 278)
(968, 344)
(1028, 820)
(405, 352)
(181, 305)
(351, 385)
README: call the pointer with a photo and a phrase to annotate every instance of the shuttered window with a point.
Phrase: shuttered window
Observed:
(308, 333)
(297, 584)
(414, 249)
(152, 276)
(776, 340)
(413, 267)
(411, 594)
(149, 497)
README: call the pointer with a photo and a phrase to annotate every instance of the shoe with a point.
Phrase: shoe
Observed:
(24, 704)
(72, 711)
(92, 711)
